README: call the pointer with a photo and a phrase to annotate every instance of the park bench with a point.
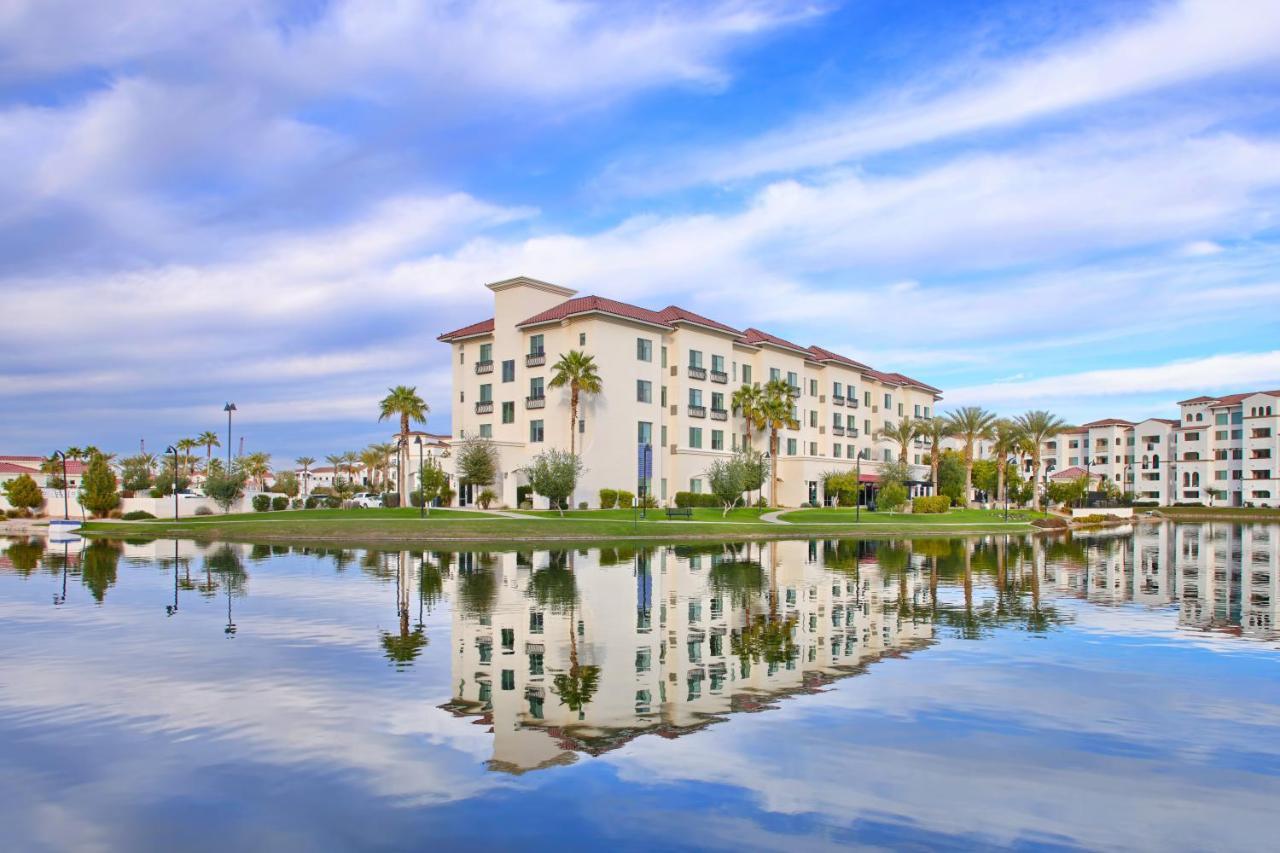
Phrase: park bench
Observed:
(679, 512)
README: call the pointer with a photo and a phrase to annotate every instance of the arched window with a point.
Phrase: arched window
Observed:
(1195, 479)
(1144, 462)
(1186, 479)
(1155, 461)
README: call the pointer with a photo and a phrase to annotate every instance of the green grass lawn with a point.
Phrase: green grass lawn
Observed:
(1215, 511)
(955, 516)
(699, 514)
(311, 514)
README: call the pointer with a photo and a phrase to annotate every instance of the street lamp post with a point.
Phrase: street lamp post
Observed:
(857, 505)
(1013, 462)
(66, 505)
(229, 408)
(174, 451)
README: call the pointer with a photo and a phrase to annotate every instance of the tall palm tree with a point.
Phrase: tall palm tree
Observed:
(746, 402)
(372, 459)
(902, 433)
(774, 413)
(403, 401)
(386, 451)
(351, 459)
(185, 446)
(1006, 442)
(306, 462)
(257, 466)
(336, 460)
(577, 371)
(971, 424)
(74, 453)
(934, 430)
(209, 439)
(1038, 426)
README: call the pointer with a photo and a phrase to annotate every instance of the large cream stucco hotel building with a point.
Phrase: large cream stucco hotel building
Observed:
(668, 380)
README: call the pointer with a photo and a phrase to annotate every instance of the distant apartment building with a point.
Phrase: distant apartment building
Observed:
(669, 378)
(1220, 451)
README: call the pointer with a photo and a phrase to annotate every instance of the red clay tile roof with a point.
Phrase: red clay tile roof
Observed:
(10, 468)
(12, 457)
(1196, 400)
(589, 304)
(481, 328)
(821, 354)
(1075, 472)
(907, 380)
(1105, 422)
(755, 336)
(674, 313)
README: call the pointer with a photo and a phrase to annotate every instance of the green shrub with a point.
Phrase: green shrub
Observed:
(296, 503)
(625, 499)
(485, 498)
(391, 500)
(892, 496)
(691, 499)
(581, 505)
(447, 494)
(932, 504)
(279, 502)
(137, 515)
(649, 502)
(23, 492)
(203, 510)
(261, 503)
(608, 498)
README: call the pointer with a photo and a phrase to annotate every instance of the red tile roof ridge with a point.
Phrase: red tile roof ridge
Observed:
(467, 331)
(673, 313)
(753, 335)
(587, 304)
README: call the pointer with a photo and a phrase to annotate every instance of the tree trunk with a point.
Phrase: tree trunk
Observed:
(1001, 488)
(573, 421)
(933, 467)
(1035, 482)
(773, 466)
(968, 475)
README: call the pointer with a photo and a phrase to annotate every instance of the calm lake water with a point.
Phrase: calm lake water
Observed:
(1116, 691)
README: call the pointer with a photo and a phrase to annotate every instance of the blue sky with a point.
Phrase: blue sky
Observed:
(1063, 205)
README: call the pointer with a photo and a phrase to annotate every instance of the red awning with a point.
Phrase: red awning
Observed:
(868, 478)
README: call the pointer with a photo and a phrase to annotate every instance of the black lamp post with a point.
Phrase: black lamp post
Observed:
(174, 451)
(66, 505)
(171, 609)
(422, 492)
(229, 408)
(1014, 463)
(857, 504)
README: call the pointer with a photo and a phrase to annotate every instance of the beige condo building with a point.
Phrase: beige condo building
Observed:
(668, 378)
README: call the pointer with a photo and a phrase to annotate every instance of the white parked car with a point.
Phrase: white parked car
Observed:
(367, 500)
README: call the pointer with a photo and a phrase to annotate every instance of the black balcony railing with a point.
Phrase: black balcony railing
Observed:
(719, 414)
(720, 377)
(853, 402)
(697, 372)
(697, 411)
(535, 359)
(837, 430)
(794, 390)
(535, 402)
(484, 407)
(484, 367)
(837, 401)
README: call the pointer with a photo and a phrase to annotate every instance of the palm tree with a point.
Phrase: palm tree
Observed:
(1006, 441)
(774, 413)
(75, 453)
(1038, 426)
(577, 370)
(746, 402)
(209, 439)
(351, 459)
(971, 424)
(902, 433)
(257, 466)
(934, 430)
(306, 462)
(403, 401)
(385, 451)
(186, 445)
(372, 459)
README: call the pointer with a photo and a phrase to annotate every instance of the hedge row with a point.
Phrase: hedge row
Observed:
(692, 499)
(931, 504)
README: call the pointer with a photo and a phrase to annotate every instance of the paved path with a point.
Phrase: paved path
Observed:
(772, 517)
(498, 512)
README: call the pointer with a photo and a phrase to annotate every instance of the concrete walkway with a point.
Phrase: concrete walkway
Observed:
(498, 512)
(772, 517)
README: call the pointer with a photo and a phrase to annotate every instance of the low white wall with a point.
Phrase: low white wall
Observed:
(159, 507)
(1117, 511)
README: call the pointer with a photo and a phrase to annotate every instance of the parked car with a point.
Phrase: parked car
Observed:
(189, 494)
(367, 500)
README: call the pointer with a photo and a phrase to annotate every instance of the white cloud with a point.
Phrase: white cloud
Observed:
(1180, 42)
(1228, 372)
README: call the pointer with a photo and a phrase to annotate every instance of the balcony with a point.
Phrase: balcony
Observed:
(535, 359)
(535, 402)
(719, 414)
(1264, 453)
(837, 430)
(1260, 433)
(697, 372)
(793, 390)
(853, 433)
(720, 377)
(919, 442)
(484, 407)
(853, 402)
(484, 367)
(697, 411)
(837, 401)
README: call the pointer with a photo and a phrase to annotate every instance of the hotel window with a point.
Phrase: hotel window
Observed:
(836, 451)
(644, 391)
(774, 374)
(536, 345)
(926, 411)
(695, 397)
(663, 486)
(791, 447)
(644, 660)
(535, 431)
(792, 379)
(1219, 475)
(486, 430)
(917, 410)
(644, 432)
(1222, 418)
(486, 393)
(1074, 460)
(813, 417)
(888, 455)
(866, 428)
(850, 452)
(509, 370)
(717, 401)
(508, 413)
(664, 357)
(695, 486)
(644, 349)
(866, 398)
(486, 352)
(746, 374)
(717, 364)
(536, 388)
(508, 639)
(664, 435)
(813, 387)
(717, 439)
(695, 437)
(462, 359)
(664, 395)
(536, 621)
(837, 389)
(899, 410)
(813, 448)
(508, 679)
(695, 358)
(888, 402)
(582, 339)
(535, 663)
(1220, 435)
